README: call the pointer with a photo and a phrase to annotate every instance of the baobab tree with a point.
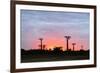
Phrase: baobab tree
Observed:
(73, 46)
(67, 42)
(41, 42)
(44, 46)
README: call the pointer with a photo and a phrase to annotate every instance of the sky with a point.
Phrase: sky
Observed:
(52, 26)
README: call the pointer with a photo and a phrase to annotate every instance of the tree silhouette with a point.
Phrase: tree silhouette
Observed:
(67, 42)
(57, 49)
(73, 46)
(44, 46)
(41, 39)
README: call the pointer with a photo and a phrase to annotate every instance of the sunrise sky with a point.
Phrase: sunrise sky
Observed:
(52, 26)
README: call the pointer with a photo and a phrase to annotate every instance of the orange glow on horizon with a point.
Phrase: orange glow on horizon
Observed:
(52, 42)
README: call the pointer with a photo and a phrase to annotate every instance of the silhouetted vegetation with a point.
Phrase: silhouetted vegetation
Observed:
(38, 55)
(53, 54)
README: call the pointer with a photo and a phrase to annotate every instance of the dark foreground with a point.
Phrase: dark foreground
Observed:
(56, 55)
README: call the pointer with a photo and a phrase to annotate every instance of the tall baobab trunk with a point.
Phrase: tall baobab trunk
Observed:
(67, 42)
(73, 46)
(41, 39)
